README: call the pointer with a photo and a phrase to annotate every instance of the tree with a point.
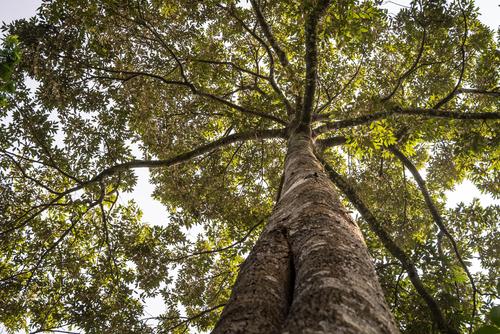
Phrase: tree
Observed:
(264, 124)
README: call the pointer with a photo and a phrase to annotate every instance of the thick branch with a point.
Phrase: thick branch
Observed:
(183, 157)
(424, 112)
(269, 35)
(391, 246)
(437, 218)
(492, 93)
(311, 58)
(194, 90)
(330, 142)
(236, 137)
(271, 78)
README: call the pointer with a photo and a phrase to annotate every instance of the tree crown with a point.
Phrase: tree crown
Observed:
(205, 94)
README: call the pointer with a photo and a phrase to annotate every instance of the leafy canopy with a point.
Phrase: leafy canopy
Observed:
(204, 93)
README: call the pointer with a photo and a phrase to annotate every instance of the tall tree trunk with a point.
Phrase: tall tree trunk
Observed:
(310, 270)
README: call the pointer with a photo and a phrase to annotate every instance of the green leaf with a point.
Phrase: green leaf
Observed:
(495, 315)
(459, 274)
(487, 330)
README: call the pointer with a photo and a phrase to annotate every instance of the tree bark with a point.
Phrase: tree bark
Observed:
(310, 271)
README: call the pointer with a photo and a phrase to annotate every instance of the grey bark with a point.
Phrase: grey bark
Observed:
(310, 271)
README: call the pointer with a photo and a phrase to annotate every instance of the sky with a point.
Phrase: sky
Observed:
(155, 213)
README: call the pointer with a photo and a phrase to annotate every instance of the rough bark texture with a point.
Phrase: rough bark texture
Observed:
(310, 271)
(261, 295)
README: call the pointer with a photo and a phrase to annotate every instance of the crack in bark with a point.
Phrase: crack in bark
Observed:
(291, 268)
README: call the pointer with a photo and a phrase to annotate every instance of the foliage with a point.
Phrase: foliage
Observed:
(10, 55)
(202, 95)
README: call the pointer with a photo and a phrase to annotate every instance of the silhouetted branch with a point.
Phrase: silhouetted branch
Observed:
(410, 70)
(423, 112)
(269, 35)
(189, 319)
(311, 59)
(331, 98)
(183, 157)
(25, 175)
(391, 246)
(217, 250)
(231, 64)
(133, 74)
(271, 77)
(49, 249)
(437, 219)
(54, 330)
(47, 150)
(396, 290)
(462, 70)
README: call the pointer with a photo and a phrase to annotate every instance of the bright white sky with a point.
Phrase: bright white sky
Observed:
(155, 213)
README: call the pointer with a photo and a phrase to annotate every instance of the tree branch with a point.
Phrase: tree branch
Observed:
(433, 112)
(183, 157)
(330, 142)
(217, 250)
(74, 222)
(162, 42)
(190, 86)
(229, 63)
(47, 150)
(424, 112)
(410, 70)
(462, 70)
(53, 330)
(311, 58)
(492, 93)
(233, 138)
(391, 246)
(25, 174)
(271, 77)
(269, 35)
(331, 98)
(438, 220)
(185, 81)
(196, 316)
